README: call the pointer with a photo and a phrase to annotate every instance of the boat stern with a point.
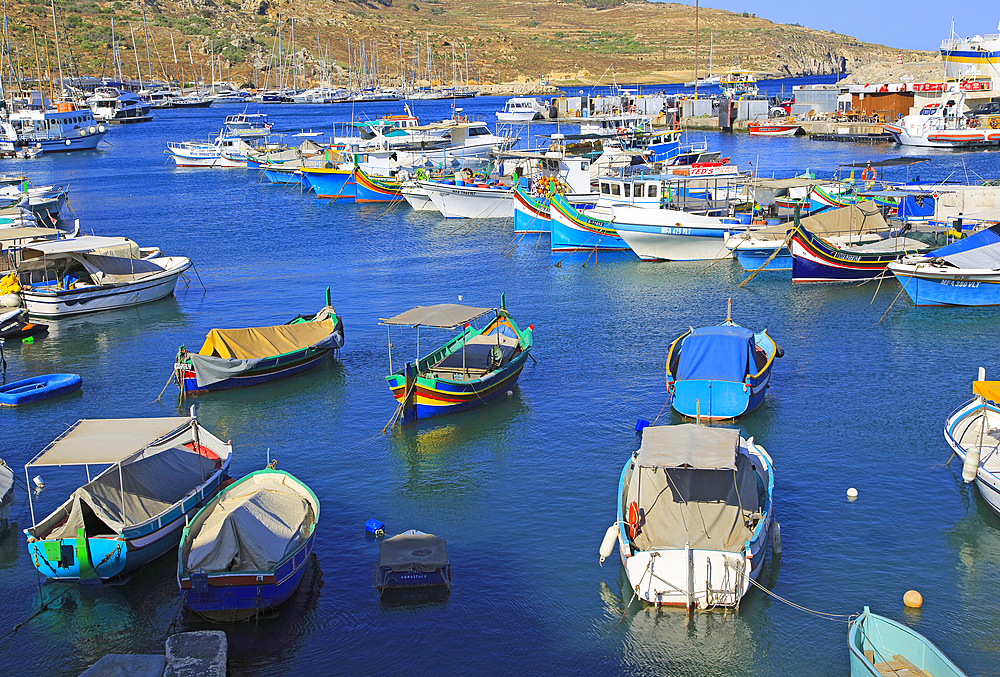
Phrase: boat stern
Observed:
(79, 559)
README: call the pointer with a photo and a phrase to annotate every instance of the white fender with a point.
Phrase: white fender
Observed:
(971, 466)
(608, 544)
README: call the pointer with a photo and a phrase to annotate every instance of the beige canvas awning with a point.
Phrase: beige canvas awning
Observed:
(257, 342)
(441, 316)
(688, 445)
(106, 441)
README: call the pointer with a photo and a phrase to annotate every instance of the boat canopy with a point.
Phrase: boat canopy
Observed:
(94, 244)
(724, 353)
(860, 218)
(129, 494)
(988, 390)
(413, 552)
(259, 342)
(707, 505)
(688, 446)
(979, 251)
(251, 528)
(10, 234)
(440, 316)
(106, 440)
(988, 215)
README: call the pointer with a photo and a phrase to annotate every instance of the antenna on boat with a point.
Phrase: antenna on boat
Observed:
(729, 312)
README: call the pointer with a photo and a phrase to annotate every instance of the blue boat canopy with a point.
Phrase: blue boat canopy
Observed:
(978, 251)
(723, 353)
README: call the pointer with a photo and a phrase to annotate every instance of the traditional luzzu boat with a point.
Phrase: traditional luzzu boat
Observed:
(531, 212)
(694, 516)
(246, 550)
(963, 273)
(973, 433)
(371, 188)
(815, 259)
(720, 372)
(470, 369)
(161, 471)
(881, 647)
(575, 230)
(235, 358)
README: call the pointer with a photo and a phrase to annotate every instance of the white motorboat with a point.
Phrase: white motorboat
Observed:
(79, 275)
(110, 104)
(737, 83)
(225, 151)
(479, 201)
(694, 516)
(522, 109)
(248, 125)
(34, 124)
(942, 125)
(418, 197)
(973, 433)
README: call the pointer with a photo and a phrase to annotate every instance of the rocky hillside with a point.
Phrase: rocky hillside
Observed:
(565, 41)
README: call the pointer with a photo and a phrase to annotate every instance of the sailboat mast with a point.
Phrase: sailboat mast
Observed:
(135, 52)
(55, 28)
(696, 49)
(145, 34)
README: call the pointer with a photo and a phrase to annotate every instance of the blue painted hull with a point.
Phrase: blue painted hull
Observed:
(336, 185)
(949, 292)
(238, 596)
(39, 388)
(282, 176)
(752, 260)
(567, 239)
(716, 400)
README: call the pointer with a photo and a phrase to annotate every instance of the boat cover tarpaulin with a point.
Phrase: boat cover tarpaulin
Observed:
(106, 440)
(688, 445)
(863, 217)
(239, 350)
(252, 528)
(441, 316)
(979, 251)
(107, 269)
(258, 342)
(146, 488)
(6, 484)
(706, 508)
(412, 552)
(723, 353)
(96, 244)
(989, 390)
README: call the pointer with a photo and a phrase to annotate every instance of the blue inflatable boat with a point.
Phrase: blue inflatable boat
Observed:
(39, 388)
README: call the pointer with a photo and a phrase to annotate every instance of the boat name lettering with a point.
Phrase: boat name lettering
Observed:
(960, 283)
(667, 230)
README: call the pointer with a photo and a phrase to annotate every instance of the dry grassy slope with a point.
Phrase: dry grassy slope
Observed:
(650, 42)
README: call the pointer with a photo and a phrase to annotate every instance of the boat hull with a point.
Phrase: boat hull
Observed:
(418, 198)
(947, 286)
(987, 481)
(531, 213)
(470, 202)
(717, 400)
(58, 145)
(574, 230)
(886, 639)
(370, 188)
(815, 261)
(752, 259)
(105, 297)
(281, 176)
(338, 185)
(270, 369)
(39, 388)
(681, 237)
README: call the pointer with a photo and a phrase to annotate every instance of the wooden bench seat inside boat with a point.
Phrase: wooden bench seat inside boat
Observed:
(897, 667)
(474, 360)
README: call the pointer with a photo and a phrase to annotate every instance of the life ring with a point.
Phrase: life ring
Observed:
(633, 519)
(868, 174)
(622, 131)
(973, 122)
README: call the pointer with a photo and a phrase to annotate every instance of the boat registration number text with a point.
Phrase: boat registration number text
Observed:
(667, 230)
(960, 283)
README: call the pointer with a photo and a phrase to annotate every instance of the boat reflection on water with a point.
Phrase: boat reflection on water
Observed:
(9, 547)
(107, 328)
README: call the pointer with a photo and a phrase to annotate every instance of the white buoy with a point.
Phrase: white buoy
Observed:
(39, 484)
(852, 493)
(775, 538)
(608, 544)
(970, 467)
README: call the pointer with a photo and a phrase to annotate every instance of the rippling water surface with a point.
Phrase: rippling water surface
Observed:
(522, 489)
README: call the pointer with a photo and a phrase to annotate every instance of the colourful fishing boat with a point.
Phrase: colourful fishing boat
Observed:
(963, 273)
(160, 472)
(470, 369)
(246, 550)
(720, 372)
(235, 358)
(531, 212)
(371, 188)
(881, 647)
(573, 230)
(331, 183)
(815, 259)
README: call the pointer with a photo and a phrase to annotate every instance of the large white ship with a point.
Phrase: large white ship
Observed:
(978, 56)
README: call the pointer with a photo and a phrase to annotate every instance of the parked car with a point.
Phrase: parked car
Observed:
(991, 108)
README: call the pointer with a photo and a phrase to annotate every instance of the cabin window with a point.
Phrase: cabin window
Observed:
(638, 190)
(605, 189)
(584, 166)
(628, 189)
(478, 131)
(616, 189)
(652, 191)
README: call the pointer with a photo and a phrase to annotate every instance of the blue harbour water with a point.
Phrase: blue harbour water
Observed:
(523, 489)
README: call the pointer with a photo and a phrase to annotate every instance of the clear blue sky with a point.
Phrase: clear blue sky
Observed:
(918, 24)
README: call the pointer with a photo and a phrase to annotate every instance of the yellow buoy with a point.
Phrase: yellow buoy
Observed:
(913, 599)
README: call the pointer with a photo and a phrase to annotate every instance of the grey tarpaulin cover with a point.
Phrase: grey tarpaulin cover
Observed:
(6, 484)
(412, 552)
(442, 316)
(209, 370)
(151, 484)
(253, 527)
(703, 506)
